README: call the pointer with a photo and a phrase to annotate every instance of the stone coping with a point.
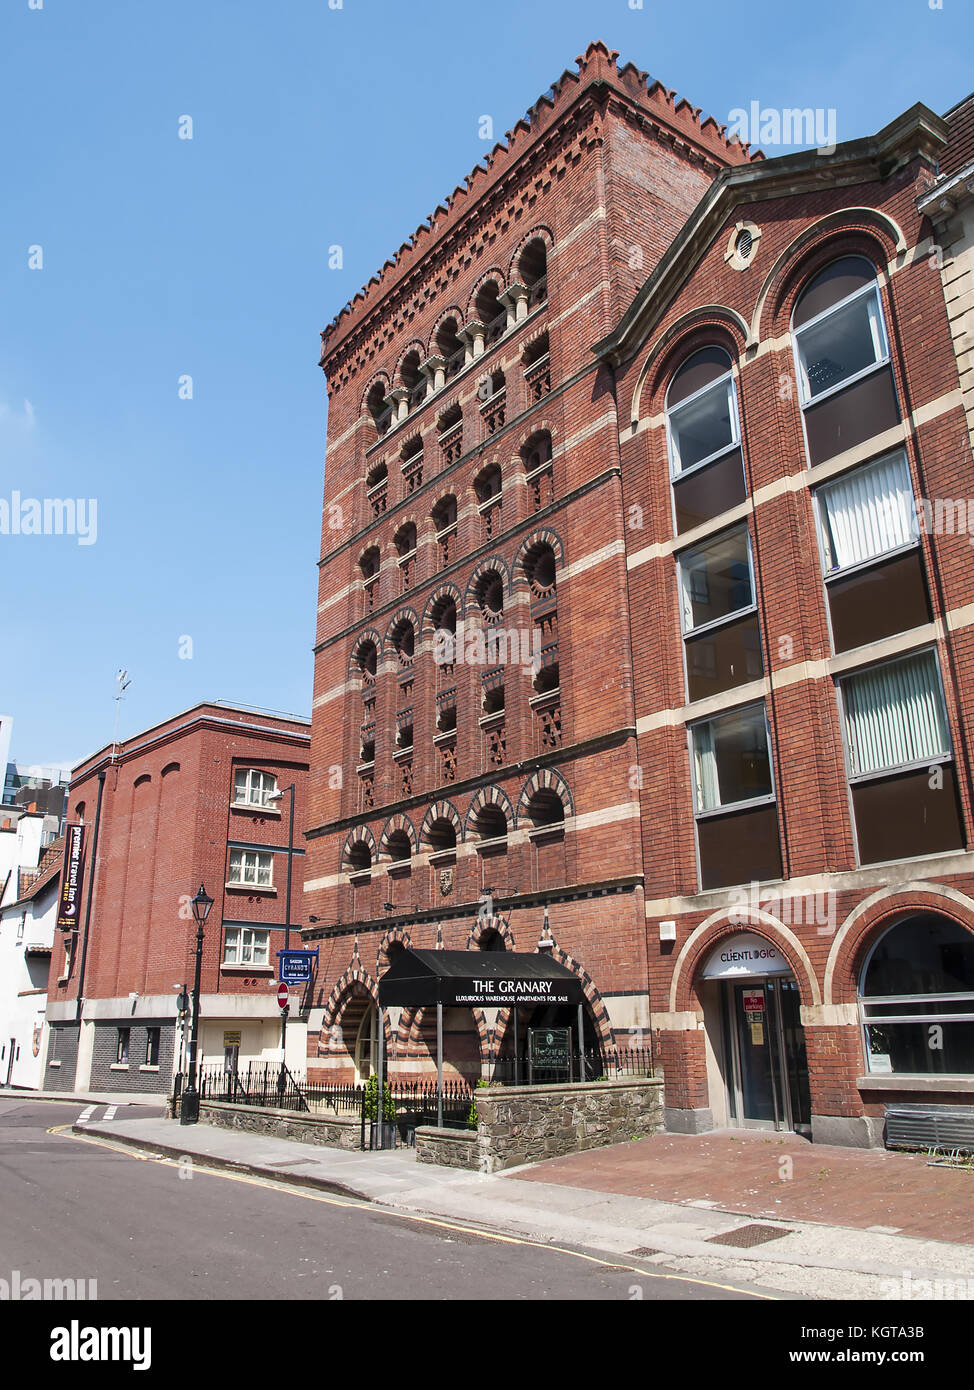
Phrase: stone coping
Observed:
(464, 1136)
(616, 1083)
(301, 1116)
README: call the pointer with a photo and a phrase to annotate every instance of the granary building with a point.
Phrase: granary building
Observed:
(645, 605)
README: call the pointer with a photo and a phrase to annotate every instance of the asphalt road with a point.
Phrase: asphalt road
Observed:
(74, 1208)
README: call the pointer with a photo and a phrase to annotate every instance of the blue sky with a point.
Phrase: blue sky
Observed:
(165, 257)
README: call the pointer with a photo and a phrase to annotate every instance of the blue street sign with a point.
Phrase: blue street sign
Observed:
(297, 967)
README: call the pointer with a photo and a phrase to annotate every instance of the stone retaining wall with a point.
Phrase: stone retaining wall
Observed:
(524, 1124)
(334, 1132)
(451, 1148)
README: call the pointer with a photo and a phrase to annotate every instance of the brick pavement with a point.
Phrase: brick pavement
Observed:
(743, 1172)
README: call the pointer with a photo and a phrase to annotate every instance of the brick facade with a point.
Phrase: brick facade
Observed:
(170, 820)
(528, 486)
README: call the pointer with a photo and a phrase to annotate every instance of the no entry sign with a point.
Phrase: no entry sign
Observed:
(282, 994)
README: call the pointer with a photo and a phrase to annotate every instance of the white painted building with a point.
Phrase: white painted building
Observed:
(27, 932)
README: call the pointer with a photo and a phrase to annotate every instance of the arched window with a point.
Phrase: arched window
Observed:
(538, 471)
(917, 999)
(449, 346)
(845, 383)
(545, 810)
(369, 566)
(398, 847)
(532, 270)
(366, 659)
(540, 569)
(704, 439)
(444, 517)
(490, 823)
(413, 379)
(489, 311)
(403, 641)
(487, 488)
(489, 595)
(377, 408)
(377, 488)
(442, 836)
(449, 429)
(359, 857)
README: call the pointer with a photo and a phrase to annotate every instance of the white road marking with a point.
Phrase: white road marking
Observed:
(85, 1115)
(109, 1113)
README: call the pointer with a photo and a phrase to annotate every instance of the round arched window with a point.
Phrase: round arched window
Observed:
(917, 998)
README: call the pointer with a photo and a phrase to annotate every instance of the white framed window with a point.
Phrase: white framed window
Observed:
(916, 999)
(254, 867)
(731, 759)
(703, 426)
(716, 581)
(894, 716)
(246, 946)
(253, 788)
(842, 343)
(866, 515)
(21, 925)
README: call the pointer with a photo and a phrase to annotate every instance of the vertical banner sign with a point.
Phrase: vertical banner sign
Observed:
(72, 874)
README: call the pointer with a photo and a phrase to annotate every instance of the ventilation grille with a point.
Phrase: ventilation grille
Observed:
(929, 1127)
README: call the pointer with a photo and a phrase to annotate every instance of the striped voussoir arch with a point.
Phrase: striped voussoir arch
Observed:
(361, 832)
(544, 536)
(347, 1005)
(440, 810)
(546, 779)
(396, 936)
(398, 821)
(489, 796)
(483, 925)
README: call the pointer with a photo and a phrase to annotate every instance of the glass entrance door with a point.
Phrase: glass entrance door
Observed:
(765, 1044)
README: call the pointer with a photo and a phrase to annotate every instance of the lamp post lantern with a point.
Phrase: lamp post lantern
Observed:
(189, 1105)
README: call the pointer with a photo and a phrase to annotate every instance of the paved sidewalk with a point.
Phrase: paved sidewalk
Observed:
(804, 1257)
(783, 1178)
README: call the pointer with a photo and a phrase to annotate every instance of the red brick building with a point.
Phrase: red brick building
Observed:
(183, 803)
(735, 772)
(474, 490)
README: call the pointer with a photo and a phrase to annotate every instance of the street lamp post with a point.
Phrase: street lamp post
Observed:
(189, 1105)
(278, 796)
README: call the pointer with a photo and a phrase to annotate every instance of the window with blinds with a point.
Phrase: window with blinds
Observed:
(894, 715)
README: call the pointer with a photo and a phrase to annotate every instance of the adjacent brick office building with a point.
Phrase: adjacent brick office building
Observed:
(737, 774)
(186, 802)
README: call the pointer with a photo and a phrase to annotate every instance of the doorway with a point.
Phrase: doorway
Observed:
(764, 1048)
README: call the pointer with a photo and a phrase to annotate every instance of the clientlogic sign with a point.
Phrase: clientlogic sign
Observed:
(72, 875)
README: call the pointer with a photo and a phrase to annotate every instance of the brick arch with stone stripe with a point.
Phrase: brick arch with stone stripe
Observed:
(398, 821)
(361, 832)
(440, 810)
(370, 635)
(490, 563)
(395, 936)
(347, 1005)
(487, 923)
(541, 233)
(489, 796)
(544, 780)
(442, 591)
(598, 1012)
(544, 536)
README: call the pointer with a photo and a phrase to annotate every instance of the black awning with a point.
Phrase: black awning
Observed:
(464, 979)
